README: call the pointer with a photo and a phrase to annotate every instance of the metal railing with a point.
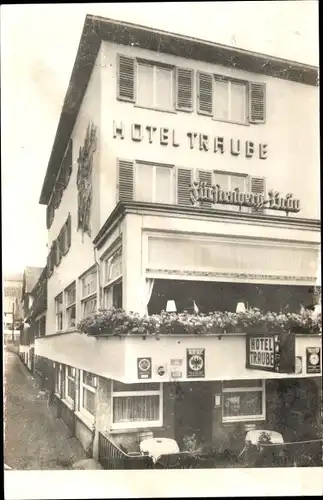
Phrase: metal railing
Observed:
(294, 454)
(111, 457)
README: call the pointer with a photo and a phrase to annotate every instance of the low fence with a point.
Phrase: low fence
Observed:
(111, 457)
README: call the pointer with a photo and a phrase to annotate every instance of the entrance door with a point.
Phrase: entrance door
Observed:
(193, 411)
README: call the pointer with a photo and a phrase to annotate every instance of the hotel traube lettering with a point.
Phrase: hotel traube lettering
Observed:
(273, 352)
(194, 140)
(200, 191)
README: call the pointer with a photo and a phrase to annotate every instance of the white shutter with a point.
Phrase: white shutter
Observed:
(205, 93)
(184, 89)
(257, 102)
(126, 78)
(205, 176)
(125, 180)
(258, 185)
(184, 180)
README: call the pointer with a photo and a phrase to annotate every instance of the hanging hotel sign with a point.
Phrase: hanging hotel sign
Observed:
(200, 191)
(144, 368)
(313, 360)
(272, 352)
(195, 359)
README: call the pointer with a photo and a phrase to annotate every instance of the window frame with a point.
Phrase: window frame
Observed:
(68, 306)
(84, 299)
(245, 418)
(154, 165)
(68, 378)
(142, 423)
(229, 80)
(154, 65)
(58, 379)
(84, 385)
(59, 312)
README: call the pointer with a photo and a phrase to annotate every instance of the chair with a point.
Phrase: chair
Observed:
(155, 447)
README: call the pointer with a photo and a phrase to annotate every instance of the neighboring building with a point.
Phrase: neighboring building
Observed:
(34, 293)
(147, 113)
(12, 312)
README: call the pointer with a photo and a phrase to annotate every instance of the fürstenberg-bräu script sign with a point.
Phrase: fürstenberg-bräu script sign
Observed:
(199, 191)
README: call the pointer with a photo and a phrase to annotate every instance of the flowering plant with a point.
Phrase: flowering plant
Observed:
(119, 322)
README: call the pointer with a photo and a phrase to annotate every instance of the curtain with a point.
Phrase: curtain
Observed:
(148, 291)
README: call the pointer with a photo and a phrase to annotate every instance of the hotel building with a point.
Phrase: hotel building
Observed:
(186, 171)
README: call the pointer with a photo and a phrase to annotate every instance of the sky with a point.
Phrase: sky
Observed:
(38, 48)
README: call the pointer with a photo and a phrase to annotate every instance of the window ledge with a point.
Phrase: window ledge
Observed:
(172, 112)
(85, 420)
(128, 430)
(68, 403)
(229, 122)
(244, 420)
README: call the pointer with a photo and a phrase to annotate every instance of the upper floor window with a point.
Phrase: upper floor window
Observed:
(89, 293)
(59, 312)
(155, 86)
(61, 183)
(144, 181)
(70, 297)
(230, 99)
(154, 183)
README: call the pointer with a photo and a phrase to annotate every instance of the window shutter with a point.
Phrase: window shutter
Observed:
(258, 185)
(68, 161)
(204, 93)
(58, 247)
(68, 228)
(126, 78)
(49, 214)
(184, 180)
(257, 102)
(205, 176)
(125, 180)
(184, 89)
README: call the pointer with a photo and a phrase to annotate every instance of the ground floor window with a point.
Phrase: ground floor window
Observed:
(243, 400)
(58, 378)
(88, 384)
(136, 405)
(70, 383)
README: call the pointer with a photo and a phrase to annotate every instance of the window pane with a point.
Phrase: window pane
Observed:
(71, 295)
(89, 307)
(238, 181)
(71, 316)
(222, 180)
(89, 379)
(144, 183)
(145, 75)
(163, 193)
(221, 100)
(238, 102)
(70, 389)
(89, 401)
(163, 87)
(135, 409)
(237, 404)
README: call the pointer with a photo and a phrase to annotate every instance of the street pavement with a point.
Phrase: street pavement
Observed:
(34, 438)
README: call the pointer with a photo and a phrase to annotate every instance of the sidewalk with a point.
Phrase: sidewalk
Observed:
(34, 438)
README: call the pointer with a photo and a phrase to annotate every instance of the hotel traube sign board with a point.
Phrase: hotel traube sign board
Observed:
(272, 352)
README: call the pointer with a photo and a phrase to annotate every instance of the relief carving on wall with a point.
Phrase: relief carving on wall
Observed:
(84, 179)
